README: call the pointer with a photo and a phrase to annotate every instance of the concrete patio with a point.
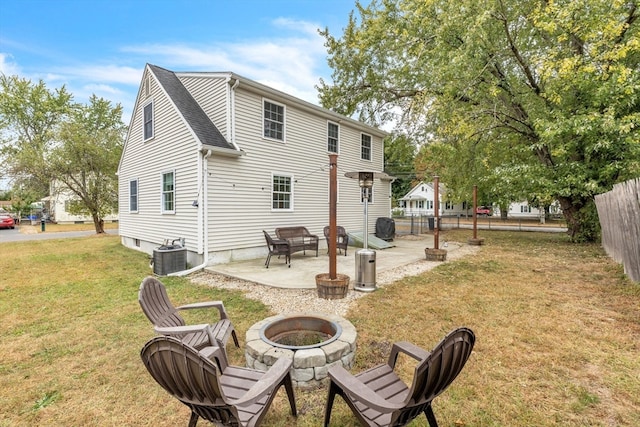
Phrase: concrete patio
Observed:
(301, 275)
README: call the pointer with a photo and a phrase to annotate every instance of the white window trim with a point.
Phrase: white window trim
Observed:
(338, 140)
(153, 121)
(291, 198)
(370, 159)
(137, 195)
(284, 121)
(162, 210)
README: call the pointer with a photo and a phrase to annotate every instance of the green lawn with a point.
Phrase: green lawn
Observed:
(557, 325)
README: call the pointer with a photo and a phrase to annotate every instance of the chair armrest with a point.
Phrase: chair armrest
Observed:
(181, 330)
(207, 304)
(216, 354)
(274, 376)
(408, 349)
(351, 385)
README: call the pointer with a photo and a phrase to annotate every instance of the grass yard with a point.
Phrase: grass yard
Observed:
(557, 327)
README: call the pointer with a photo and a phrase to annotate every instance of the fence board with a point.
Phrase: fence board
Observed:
(619, 213)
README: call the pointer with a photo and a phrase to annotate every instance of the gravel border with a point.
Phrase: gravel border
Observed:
(283, 301)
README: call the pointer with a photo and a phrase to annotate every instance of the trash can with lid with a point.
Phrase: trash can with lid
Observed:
(169, 259)
(365, 271)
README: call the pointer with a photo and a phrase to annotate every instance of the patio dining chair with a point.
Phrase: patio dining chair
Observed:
(215, 391)
(167, 320)
(277, 247)
(342, 239)
(378, 396)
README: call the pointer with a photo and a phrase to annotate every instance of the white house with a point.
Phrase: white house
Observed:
(419, 201)
(215, 158)
(57, 206)
(524, 210)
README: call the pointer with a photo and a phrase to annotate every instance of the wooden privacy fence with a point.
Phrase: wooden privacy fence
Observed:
(619, 212)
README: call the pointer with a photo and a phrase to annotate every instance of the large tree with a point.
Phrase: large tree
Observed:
(528, 98)
(86, 159)
(51, 144)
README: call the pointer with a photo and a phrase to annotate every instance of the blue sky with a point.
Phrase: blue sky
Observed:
(101, 46)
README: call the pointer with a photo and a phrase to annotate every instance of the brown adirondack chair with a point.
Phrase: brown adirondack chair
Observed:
(223, 394)
(277, 247)
(342, 241)
(378, 397)
(166, 318)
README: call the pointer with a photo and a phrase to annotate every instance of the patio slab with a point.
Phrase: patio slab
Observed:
(301, 275)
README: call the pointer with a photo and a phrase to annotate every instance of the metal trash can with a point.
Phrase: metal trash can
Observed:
(169, 259)
(365, 271)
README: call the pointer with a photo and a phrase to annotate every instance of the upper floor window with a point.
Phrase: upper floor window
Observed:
(133, 195)
(525, 209)
(333, 131)
(365, 147)
(273, 120)
(169, 192)
(148, 121)
(281, 192)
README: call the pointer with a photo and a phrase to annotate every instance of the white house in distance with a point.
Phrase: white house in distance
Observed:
(419, 201)
(57, 206)
(215, 158)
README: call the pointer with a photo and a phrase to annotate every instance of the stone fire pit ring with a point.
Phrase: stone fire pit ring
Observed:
(310, 362)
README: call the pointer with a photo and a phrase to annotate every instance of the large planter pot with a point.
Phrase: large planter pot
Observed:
(475, 242)
(329, 288)
(433, 254)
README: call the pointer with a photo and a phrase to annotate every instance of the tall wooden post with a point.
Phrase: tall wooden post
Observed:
(475, 211)
(436, 210)
(333, 202)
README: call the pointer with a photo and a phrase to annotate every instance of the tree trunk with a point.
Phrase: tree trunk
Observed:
(581, 217)
(98, 223)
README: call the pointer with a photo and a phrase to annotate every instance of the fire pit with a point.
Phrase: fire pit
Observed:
(313, 341)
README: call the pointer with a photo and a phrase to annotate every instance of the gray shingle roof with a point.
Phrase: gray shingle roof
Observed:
(195, 116)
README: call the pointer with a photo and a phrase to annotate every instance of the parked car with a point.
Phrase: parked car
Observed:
(6, 221)
(483, 210)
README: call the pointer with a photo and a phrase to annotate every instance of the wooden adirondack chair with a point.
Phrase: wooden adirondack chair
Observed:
(378, 397)
(223, 394)
(166, 318)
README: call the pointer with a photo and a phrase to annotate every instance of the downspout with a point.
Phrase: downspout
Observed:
(203, 204)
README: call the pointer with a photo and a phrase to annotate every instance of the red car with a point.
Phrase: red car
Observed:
(483, 210)
(6, 221)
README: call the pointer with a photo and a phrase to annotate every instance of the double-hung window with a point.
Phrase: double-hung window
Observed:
(273, 120)
(148, 121)
(333, 130)
(133, 195)
(281, 192)
(365, 147)
(169, 192)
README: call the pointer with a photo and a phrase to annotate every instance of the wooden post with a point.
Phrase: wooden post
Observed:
(436, 209)
(475, 211)
(333, 202)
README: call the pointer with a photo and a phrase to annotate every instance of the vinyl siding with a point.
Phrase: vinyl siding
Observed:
(211, 94)
(172, 148)
(240, 188)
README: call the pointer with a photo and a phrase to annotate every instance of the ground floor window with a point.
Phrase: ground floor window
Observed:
(281, 192)
(168, 192)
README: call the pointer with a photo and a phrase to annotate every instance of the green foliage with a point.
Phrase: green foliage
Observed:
(529, 100)
(399, 153)
(50, 145)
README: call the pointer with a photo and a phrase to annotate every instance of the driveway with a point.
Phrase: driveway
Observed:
(14, 235)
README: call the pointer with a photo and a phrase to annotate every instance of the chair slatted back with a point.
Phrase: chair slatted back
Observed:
(434, 374)
(156, 305)
(189, 376)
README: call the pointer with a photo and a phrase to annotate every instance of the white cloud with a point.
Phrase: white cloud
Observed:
(7, 66)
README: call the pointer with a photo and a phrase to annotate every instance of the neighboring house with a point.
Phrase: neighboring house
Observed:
(419, 201)
(57, 207)
(524, 210)
(215, 158)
